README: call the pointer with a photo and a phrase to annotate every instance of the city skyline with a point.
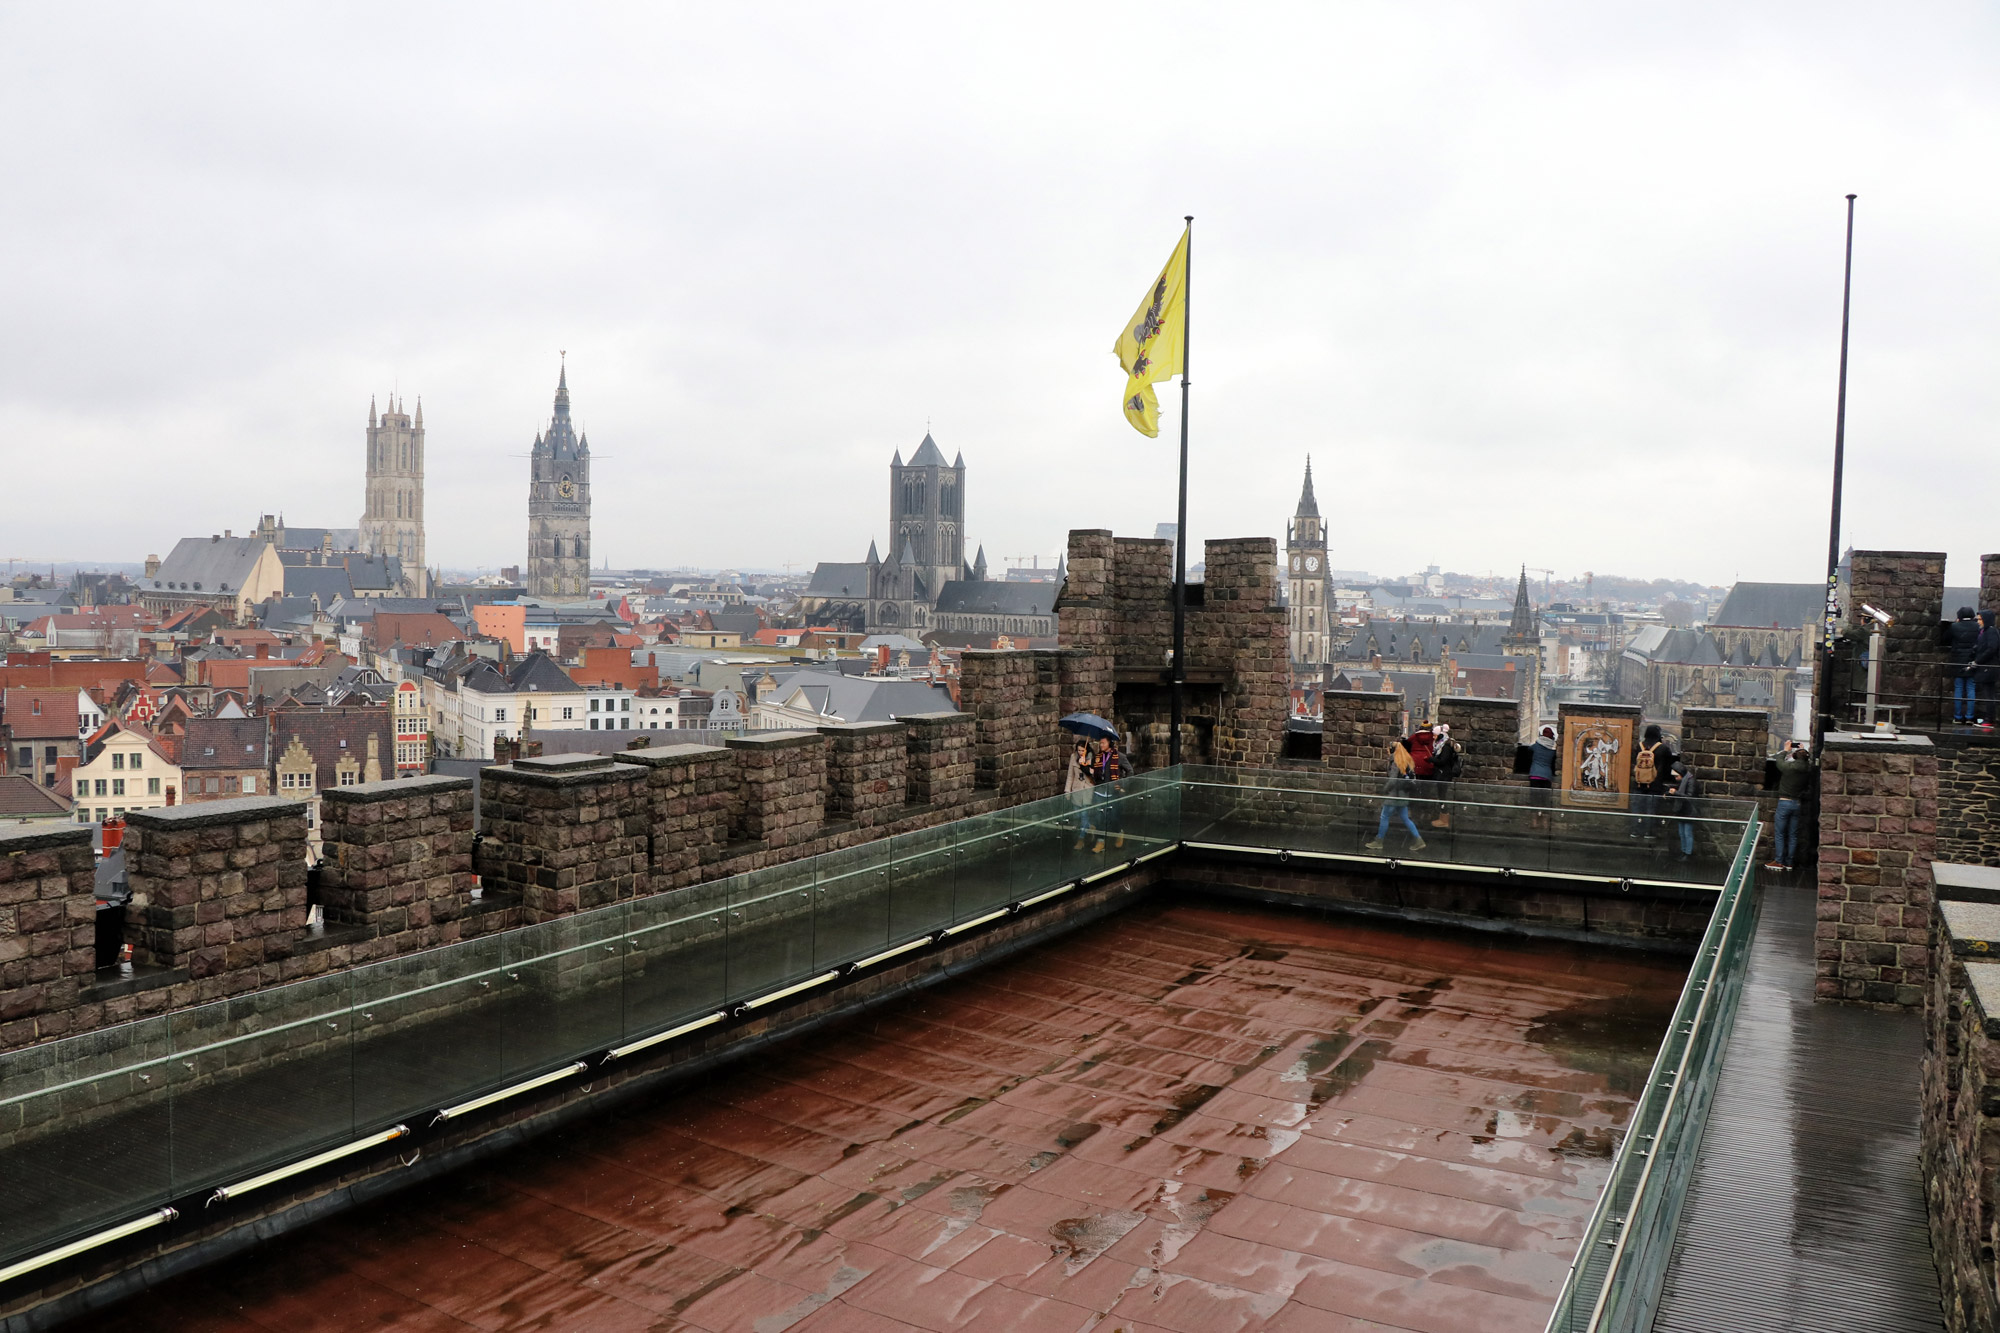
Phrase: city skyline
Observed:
(1544, 274)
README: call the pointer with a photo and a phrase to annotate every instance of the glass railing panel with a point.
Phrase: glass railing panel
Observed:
(770, 929)
(561, 989)
(260, 1079)
(920, 874)
(676, 958)
(429, 1030)
(851, 893)
(86, 1129)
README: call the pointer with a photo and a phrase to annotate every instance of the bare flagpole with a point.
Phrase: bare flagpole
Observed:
(1180, 521)
(1823, 687)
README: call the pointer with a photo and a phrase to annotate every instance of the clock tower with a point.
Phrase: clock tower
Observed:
(1311, 591)
(559, 506)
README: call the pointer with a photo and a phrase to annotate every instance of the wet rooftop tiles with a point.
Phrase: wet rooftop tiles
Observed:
(1191, 1117)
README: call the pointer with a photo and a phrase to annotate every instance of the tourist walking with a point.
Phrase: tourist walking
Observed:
(1396, 798)
(1447, 762)
(1962, 637)
(1107, 767)
(1077, 783)
(1652, 763)
(1795, 767)
(1682, 800)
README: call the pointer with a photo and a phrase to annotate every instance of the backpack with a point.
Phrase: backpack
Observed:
(1645, 767)
(1445, 761)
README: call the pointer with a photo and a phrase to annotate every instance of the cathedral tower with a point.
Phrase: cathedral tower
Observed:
(1309, 587)
(392, 520)
(926, 518)
(559, 506)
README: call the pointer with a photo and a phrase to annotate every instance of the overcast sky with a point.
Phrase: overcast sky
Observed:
(1553, 285)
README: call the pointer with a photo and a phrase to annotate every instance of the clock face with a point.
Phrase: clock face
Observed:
(1312, 564)
(565, 487)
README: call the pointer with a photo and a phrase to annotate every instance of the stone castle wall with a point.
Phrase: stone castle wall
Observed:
(1878, 837)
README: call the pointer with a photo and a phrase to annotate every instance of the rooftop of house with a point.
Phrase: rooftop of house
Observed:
(860, 698)
(218, 742)
(21, 797)
(47, 714)
(208, 564)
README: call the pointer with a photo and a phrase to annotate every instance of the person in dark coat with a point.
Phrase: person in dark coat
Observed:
(1986, 669)
(1652, 767)
(1542, 775)
(1396, 798)
(1682, 801)
(1963, 640)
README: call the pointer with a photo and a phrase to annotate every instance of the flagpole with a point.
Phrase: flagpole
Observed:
(1180, 522)
(1823, 686)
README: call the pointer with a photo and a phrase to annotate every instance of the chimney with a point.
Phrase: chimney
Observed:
(227, 533)
(152, 565)
(114, 833)
(882, 657)
(263, 652)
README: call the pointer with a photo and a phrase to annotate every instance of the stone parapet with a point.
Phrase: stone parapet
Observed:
(397, 858)
(1877, 839)
(691, 792)
(564, 833)
(217, 888)
(1968, 797)
(1241, 628)
(1961, 1111)
(1728, 748)
(47, 929)
(867, 771)
(1357, 728)
(1989, 584)
(1488, 730)
(940, 757)
(1017, 750)
(1908, 585)
(782, 787)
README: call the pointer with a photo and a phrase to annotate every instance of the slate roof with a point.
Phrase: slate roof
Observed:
(208, 564)
(1394, 640)
(226, 742)
(928, 454)
(992, 597)
(1762, 605)
(837, 579)
(539, 672)
(863, 699)
(329, 583)
(312, 539)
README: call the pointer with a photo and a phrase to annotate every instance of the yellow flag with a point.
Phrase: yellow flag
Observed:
(1149, 346)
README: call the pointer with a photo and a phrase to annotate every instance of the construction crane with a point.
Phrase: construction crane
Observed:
(1546, 574)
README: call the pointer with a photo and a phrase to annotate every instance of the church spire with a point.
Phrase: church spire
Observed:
(1308, 506)
(562, 390)
(371, 410)
(1522, 628)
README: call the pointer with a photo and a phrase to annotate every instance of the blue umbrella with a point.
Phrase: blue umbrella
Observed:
(1089, 724)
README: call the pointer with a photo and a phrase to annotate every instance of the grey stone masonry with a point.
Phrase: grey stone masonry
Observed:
(1087, 681)
(1909, 585)
(397, 857)
(1989, 584)
(1357, 728)
(1085, 619)
(47, 924)
(1018, 749)
(692, 795)
(867, 771)
(1877, 839)
(1242, 629)
(782, 779)
(1488, 730)
(566, 833)
(1968, 797)
(1728, 748)
(1961, 1111)
(217, 888)
(940, 758)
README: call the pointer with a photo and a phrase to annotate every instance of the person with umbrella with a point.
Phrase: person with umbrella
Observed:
(1105, 765)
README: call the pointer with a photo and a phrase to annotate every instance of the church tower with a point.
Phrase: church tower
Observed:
(392, 518)
(559, 506)
(1309, 587)
(1524, 644)
(926, 518)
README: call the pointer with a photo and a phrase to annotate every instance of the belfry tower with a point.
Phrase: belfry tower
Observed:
(392, 519)
(1309, 589)
(927, 517)
(559, 506)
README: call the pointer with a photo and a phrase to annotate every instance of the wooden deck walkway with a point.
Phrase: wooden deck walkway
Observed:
(1807, 1207)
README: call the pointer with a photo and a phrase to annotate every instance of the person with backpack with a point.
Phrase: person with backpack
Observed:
(1447, 762)
(1396, 797)
(1963, 639)
(1652, 766)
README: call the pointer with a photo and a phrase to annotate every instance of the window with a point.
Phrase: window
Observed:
(117, 786)
(101, 813)
(624, 705)
(568, 713)
(593, 724)
(499, 715)
(593, 705)
(250, 785)
(27, 756)
(136, 761)
(347, 779)
(103, 788)
(117, 761)
(152, 786)
(228, 784)
(625, 724)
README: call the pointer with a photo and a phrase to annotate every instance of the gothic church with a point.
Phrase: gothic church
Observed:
(559, 506)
